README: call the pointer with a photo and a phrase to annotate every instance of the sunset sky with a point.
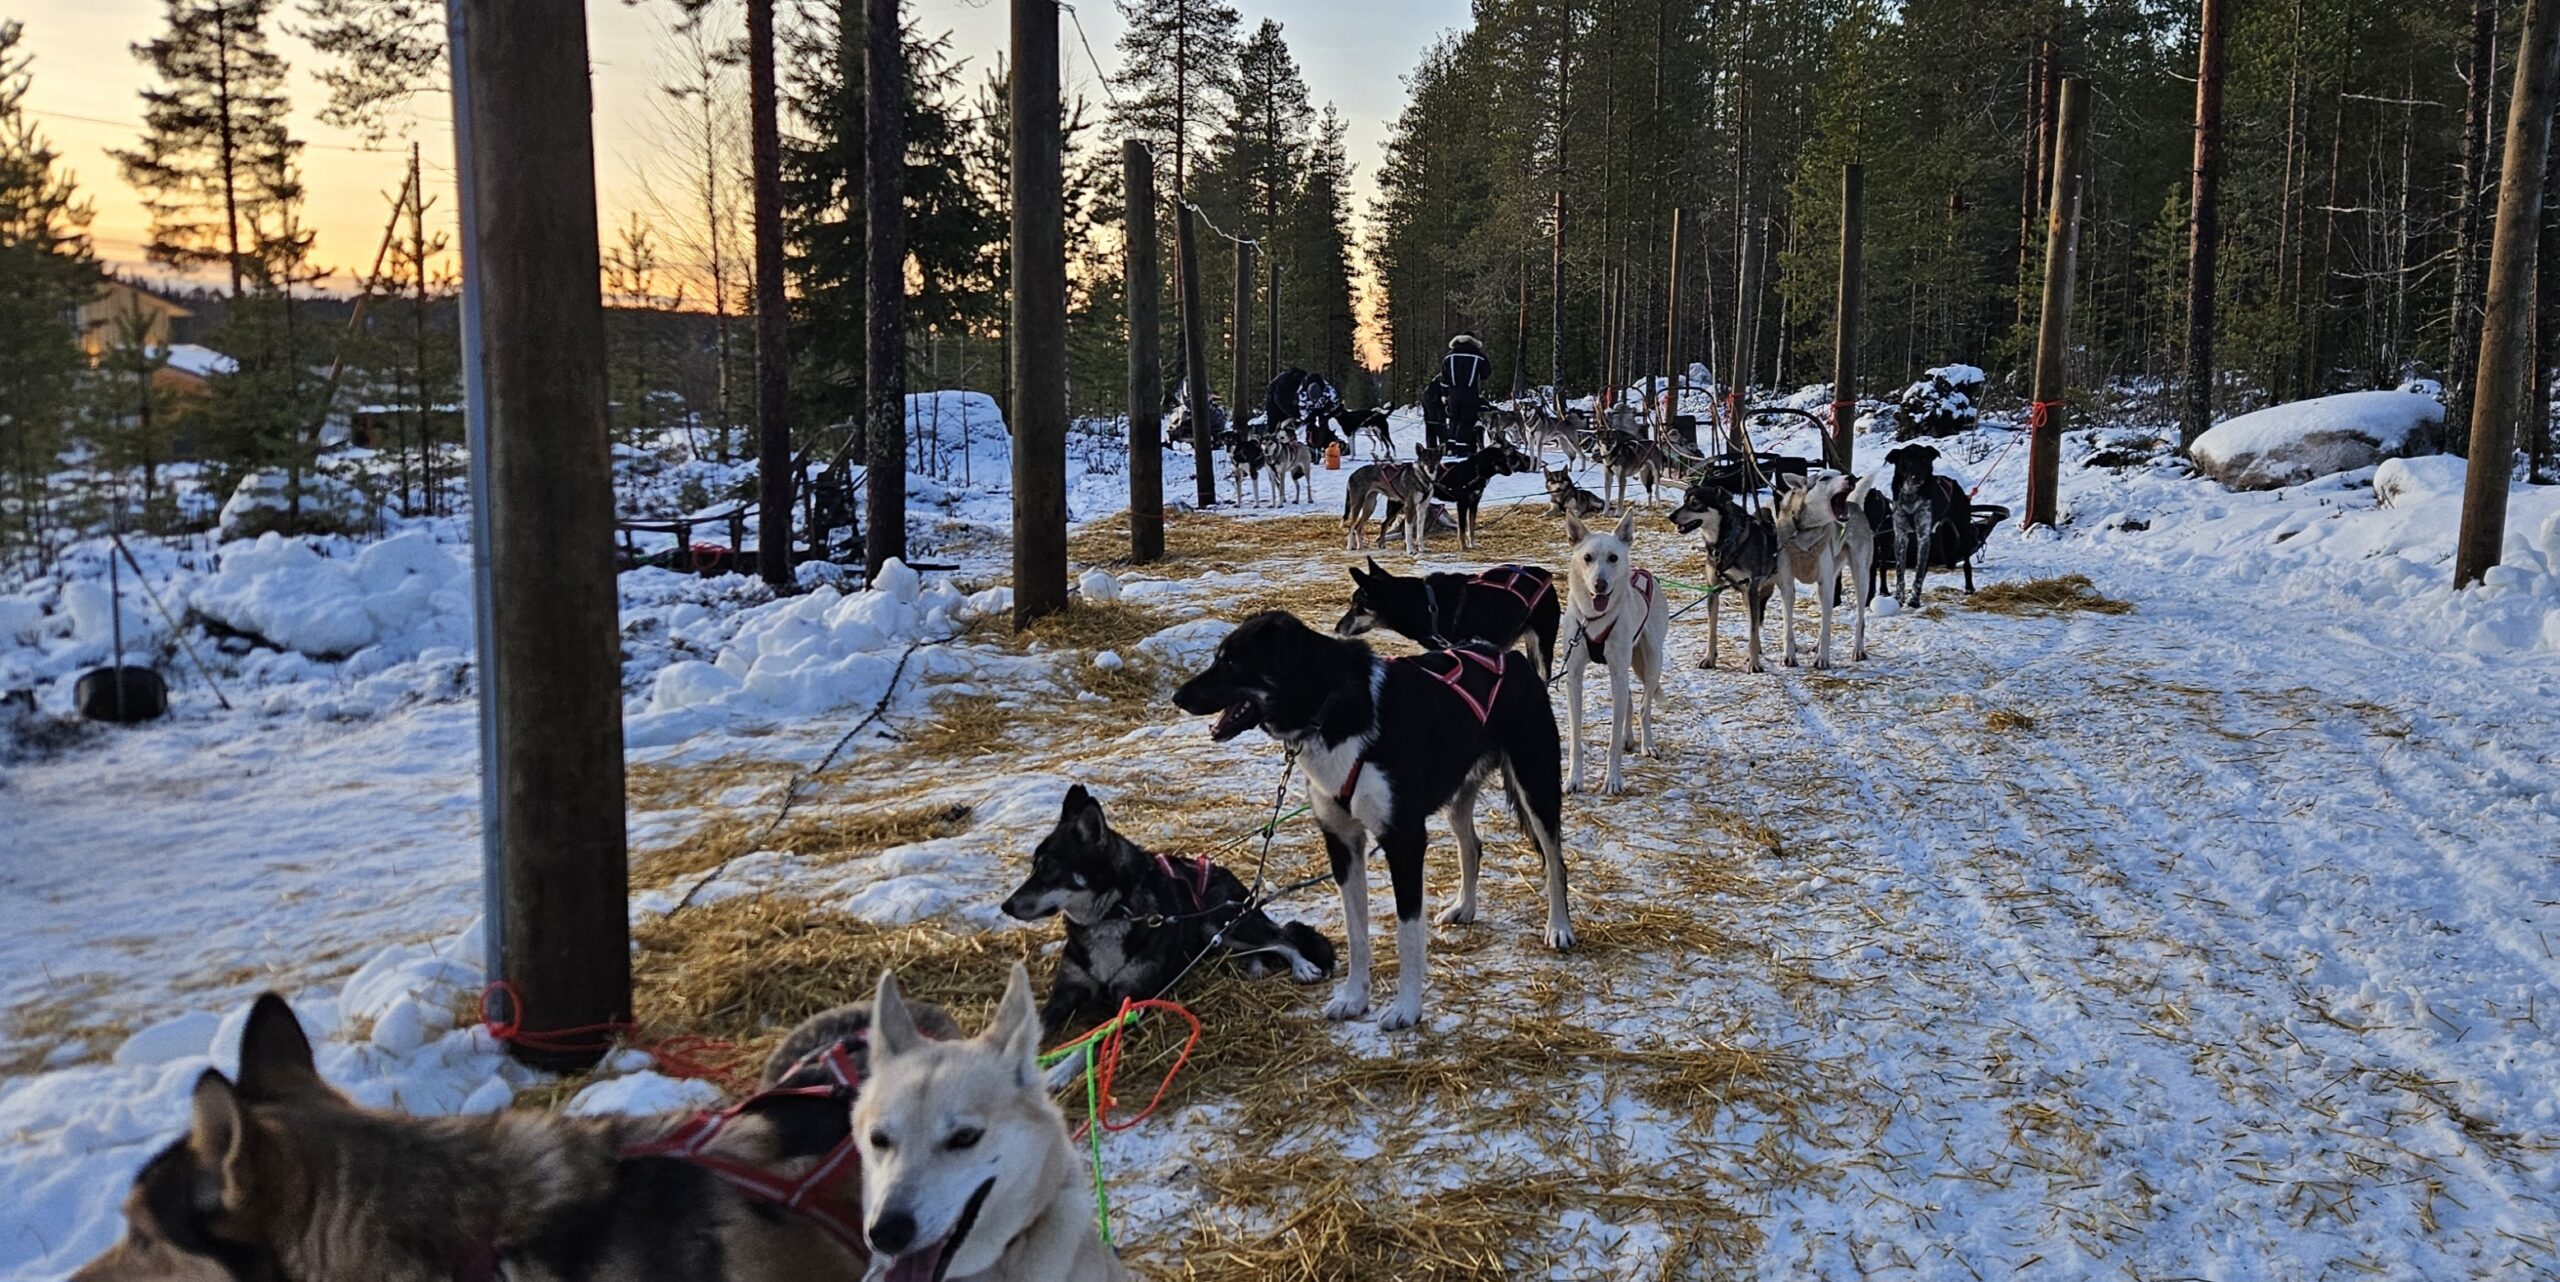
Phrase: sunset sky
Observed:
(87, 81)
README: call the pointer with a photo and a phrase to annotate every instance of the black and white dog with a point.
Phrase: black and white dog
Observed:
(1742, 551)
(1372, 421)
(1136, 919)
(1384, 746)
(1461, 485)
(1934, 524)
(1497, 608)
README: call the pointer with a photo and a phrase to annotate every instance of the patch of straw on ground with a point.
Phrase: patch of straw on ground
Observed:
(36, 1027)
(2062, 594)
(817, 835)
(2007, 721)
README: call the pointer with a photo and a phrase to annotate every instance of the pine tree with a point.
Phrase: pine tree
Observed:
(1177, 76)
(215, 159)
(46, 274)
(383, 53)
(1315, 240)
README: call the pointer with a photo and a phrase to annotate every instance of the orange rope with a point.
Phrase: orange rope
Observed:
(1109, 1055)
(705, 1058)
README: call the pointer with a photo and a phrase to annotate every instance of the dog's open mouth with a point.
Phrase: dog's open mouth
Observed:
(1682, 521)
(929, 1262)
(1242, 715)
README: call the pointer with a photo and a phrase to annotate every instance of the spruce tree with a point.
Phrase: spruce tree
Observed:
(46, 274)
(215, 159)
(1177, 76)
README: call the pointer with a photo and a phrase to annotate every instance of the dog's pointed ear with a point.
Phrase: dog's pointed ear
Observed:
(1084, 813)
(893, 1026)
(275, 1054)
(1574, 530)
(1626, 531)
(1016, 1030)
(219, 1137)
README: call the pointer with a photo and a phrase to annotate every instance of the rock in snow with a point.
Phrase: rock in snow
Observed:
(2289, 444)
(2412, 482)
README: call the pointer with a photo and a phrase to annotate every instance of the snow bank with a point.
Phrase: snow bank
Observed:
(2431, 478)
(2289, 444)
(329, 505)
(404, 594)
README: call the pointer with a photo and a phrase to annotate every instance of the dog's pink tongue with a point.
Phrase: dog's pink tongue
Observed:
(915, 1266)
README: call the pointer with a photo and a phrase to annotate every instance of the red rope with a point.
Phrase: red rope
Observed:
(1109, 1055)
(685, 1055)
(2040, 415)
(1844, 415)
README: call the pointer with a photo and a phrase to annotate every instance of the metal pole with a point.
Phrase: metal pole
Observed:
(2053, 335)
(1039, 320)
(1146, 379)
(2497, 390)
(550, 670)
(1842, 442)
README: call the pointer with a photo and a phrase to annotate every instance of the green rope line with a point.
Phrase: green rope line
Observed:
(1693, 587)
(1093, 1137)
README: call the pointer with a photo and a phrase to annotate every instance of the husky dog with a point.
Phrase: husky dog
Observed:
(1501, 607)
(1504, 425)
(1934, 526)
(1461, 485)
(1621, 622)
(967, 1171)
(1136, 921)
(1823, 529)
(1544, 431)
(1406, 485)
(1285, 459)
(1247, 456)
(1571, 500)
(1625, 456)
(1374, 423)
(1742, 549)
(1384, 746)
(279, 1176)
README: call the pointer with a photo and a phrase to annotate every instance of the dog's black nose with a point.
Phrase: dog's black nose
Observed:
(894, 1232)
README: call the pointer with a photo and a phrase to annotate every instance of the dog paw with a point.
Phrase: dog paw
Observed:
(1348, 1002)
(1306, 972)
(1560, 935)
(1400, 1015)
(1612, 786)
(1455, 915)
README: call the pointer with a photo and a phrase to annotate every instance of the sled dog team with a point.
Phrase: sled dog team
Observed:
(885, 1144)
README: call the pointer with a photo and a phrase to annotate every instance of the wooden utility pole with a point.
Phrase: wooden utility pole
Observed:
(555, 894)
(774, 492)
(1240, 405)
(2462, 342)
(1195, 351)
(2498, 390)
(1146, 379)
(2204, 227)
(2053, 333)
(1673, 372)
(1841, 446)
(1038, 323)
(884, 223)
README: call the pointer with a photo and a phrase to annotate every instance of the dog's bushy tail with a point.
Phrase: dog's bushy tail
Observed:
(1310, 943)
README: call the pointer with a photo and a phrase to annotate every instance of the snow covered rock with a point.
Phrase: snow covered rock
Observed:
(2292, 443)
(261, 503)
(404, 593)
(2412, 482)
(1946, 402)
(1098, 585)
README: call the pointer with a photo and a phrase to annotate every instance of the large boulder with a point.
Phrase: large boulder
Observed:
(1947, 401)
(2301, 441)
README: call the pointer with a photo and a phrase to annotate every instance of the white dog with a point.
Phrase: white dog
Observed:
(967, 1171)
(1822, 529)
(1619, 619)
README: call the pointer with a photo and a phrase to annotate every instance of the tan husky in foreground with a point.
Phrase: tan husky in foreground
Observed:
(279, 1178)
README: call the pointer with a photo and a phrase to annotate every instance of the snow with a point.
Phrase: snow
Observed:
(2302, 440)
(199, 360)
(2228, 965)
(263, 498)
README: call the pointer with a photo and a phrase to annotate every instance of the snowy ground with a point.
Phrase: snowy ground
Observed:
(2209, 939)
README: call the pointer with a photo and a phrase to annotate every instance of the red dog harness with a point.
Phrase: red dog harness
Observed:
(1472, 674)
(1643, 582)
(690, 1142)
(1527, 583)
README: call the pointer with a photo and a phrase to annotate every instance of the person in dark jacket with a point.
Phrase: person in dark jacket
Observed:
(1464, 373)
(1280, 399)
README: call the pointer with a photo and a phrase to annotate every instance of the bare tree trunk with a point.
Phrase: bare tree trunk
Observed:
(773, 317)
(2505, 341)
(1555, 303)
(1146, 380)
(2546, 342)
(2053, 335)
(1195, 360)
(1039, 318)
(884, 230)
(1842, 439)
(2204, 226)
(2462, 339)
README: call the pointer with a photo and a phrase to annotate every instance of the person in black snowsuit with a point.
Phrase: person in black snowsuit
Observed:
(1464, 372)
(1280, 399)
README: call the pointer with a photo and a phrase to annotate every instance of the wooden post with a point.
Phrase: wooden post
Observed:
(1673, 372)
(1738, 378)
(884, 379)
(775, 483)
(1841, 446)
(1195, 354)
(1240, 404)
(2204, 227)
(1039, 319)
(1146, 380)
(2498, 389)
(2053, 333)
(1555, 285)
(555, 895)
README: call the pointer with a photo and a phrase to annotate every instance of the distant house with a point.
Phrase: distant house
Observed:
(102, 318)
